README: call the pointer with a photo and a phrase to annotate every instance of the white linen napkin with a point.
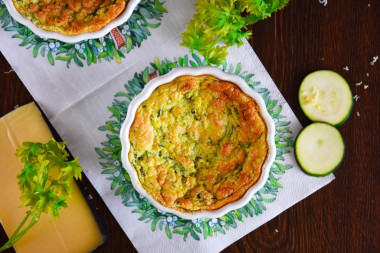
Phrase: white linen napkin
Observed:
(86, 105)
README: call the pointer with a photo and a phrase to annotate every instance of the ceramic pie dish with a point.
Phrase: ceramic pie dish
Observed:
(198, 142)
(101, 31)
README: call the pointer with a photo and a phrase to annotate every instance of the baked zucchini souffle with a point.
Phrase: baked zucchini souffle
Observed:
(70, 17)
(198, 143)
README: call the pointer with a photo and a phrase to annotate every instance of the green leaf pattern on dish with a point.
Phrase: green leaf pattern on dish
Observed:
(147, 15)
(198, 229)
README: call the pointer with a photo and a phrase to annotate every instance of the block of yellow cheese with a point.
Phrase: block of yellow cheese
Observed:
(76, 230)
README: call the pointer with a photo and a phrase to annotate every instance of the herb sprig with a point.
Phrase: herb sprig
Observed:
(219, 24)
(44, 182)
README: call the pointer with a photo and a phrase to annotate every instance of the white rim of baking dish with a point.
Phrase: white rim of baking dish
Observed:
(76, 38)
(145, 94)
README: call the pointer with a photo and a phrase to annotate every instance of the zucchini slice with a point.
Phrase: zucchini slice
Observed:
(325, 95)
(319, 149)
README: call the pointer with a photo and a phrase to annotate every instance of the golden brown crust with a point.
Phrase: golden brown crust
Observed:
(198, 143)
(70, 17)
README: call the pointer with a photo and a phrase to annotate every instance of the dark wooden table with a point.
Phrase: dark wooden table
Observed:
(305, 36)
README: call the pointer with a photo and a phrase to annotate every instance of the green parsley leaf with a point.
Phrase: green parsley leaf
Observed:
(219, 24)
(44, 182)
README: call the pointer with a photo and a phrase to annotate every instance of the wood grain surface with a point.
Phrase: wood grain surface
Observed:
(305, 36)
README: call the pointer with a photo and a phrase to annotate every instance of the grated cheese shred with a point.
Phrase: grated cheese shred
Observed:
(374, 59)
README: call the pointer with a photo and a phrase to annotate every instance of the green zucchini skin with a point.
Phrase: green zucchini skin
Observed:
(346, 118)
(305, 170)
(311, 77)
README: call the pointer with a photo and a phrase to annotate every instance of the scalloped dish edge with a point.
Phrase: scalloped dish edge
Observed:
(147, 91)
(72, 39)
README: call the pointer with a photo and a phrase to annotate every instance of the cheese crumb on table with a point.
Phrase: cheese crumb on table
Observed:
(324, 2)
(374, 59)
